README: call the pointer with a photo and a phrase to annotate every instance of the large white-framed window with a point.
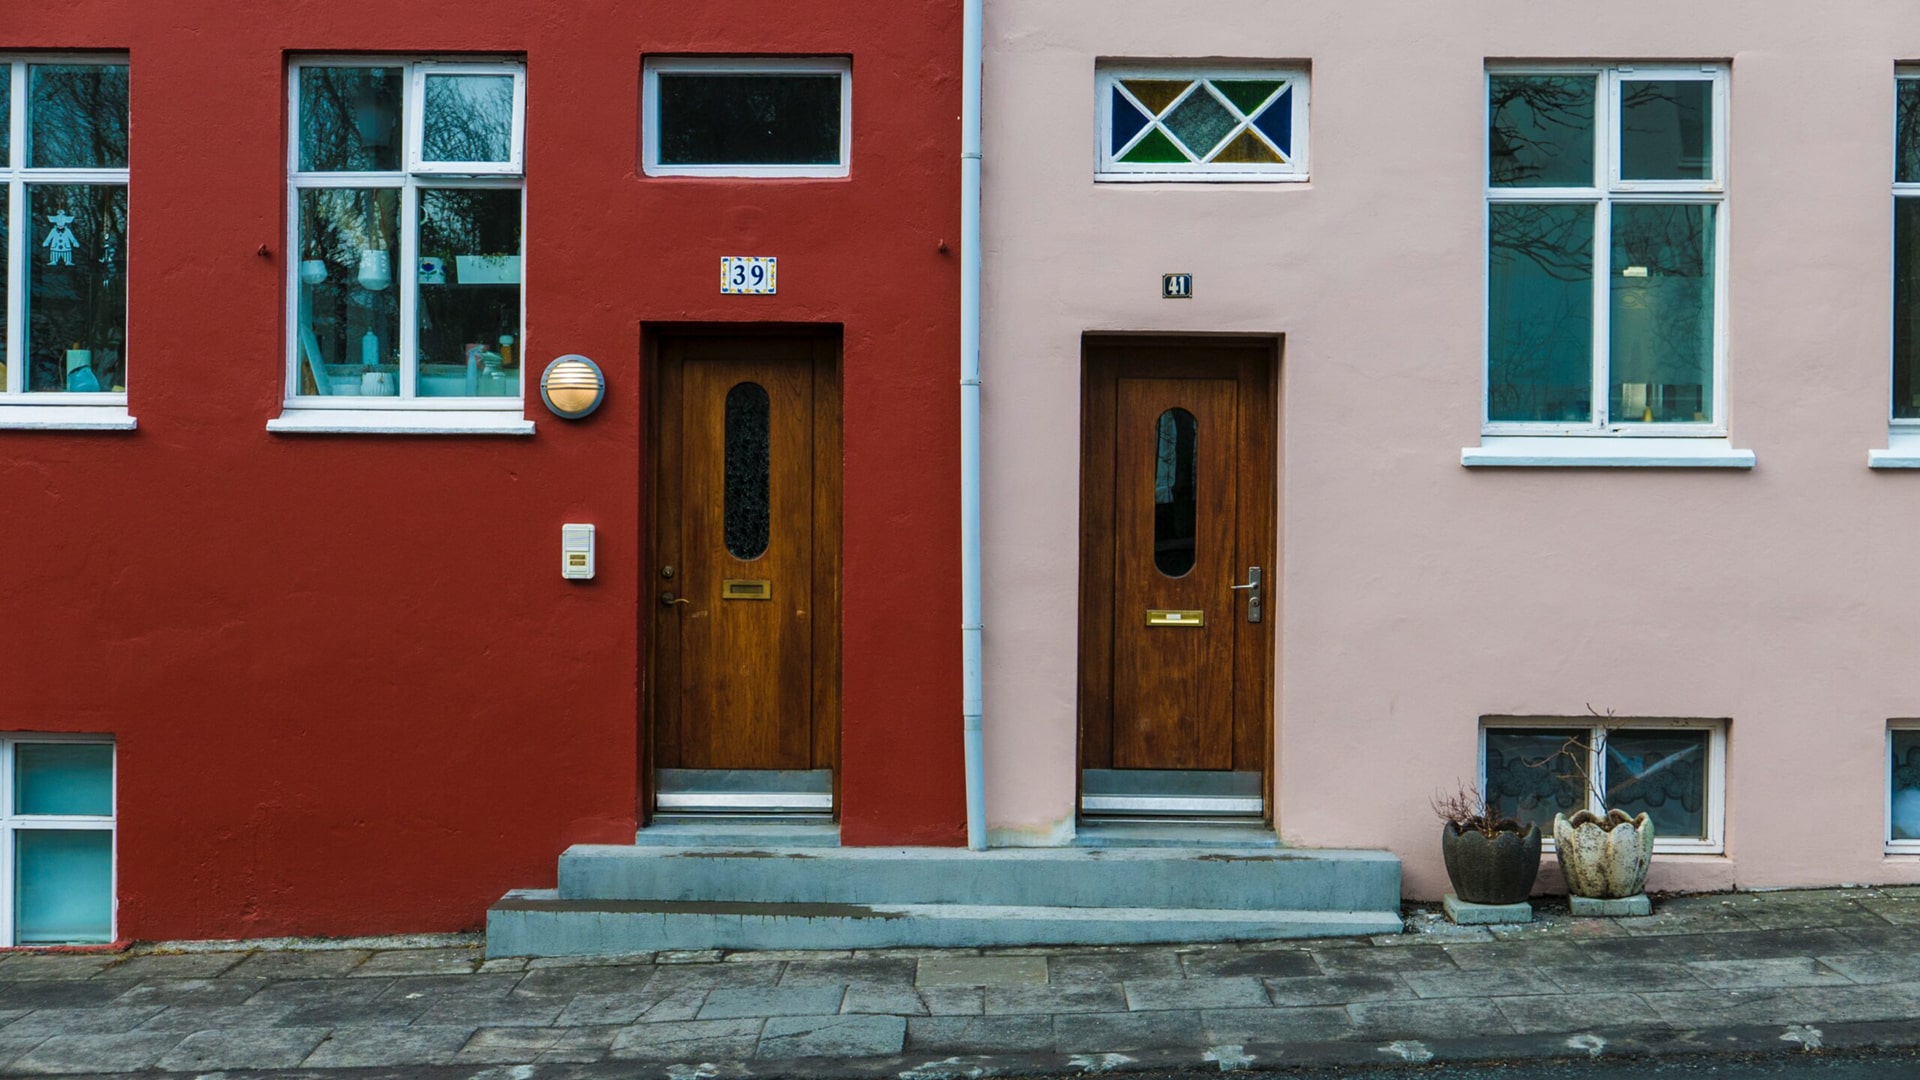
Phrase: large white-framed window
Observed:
(1674, 770)
(1188, 121)
(1606, 208)
(1903, 437)
(406, 220)
(57, 803)
(63, 226)
(747, 116)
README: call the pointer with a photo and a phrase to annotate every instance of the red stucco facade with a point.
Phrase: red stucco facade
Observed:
(349, 689)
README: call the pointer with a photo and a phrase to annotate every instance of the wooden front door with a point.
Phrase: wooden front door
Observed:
(1177, 502)
(745, 576)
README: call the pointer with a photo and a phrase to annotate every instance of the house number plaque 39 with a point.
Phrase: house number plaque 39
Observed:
(748, 274)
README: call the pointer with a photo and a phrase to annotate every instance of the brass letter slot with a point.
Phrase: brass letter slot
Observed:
(1164, 617)
(744, 589)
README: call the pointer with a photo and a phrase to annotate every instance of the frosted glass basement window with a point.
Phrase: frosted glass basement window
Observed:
(1179, 122)
(1606, 293)
(1903, 793)
(57, 799)
(1672, 770)
(63, 226)
(405, 209)
(747, 116)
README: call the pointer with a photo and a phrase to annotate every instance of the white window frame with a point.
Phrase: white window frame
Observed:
(54, 409)
(1611, 189)
(405, 413)
(742, 65)
(1108, 168)
(11, 823)
(1903, 433)
(1893, 846)
(1715, 811)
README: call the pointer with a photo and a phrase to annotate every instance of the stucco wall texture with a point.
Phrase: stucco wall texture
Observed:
(1415, 595)
(350, 690)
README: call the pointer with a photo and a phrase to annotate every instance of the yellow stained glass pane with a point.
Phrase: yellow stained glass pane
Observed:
(1246, 148)
(1156, 94)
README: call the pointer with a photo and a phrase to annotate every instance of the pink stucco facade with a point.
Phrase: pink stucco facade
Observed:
(1416, 595)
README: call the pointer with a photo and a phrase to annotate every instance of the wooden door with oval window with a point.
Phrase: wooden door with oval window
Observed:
(1177, 575)
(744, 693)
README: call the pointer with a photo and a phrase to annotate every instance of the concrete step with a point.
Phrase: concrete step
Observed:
(540, 923)
(1219, 879)
(722, 833)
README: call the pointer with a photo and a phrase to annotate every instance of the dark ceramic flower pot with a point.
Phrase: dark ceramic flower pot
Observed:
(1491, 870)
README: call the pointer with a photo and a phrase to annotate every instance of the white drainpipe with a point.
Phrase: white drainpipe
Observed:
(970, 593)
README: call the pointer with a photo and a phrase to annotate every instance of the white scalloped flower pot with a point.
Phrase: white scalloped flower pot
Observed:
(1605, 858)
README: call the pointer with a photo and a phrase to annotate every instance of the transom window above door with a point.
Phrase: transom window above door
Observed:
(1606, 250)
(1180, 122)
(747, 116)
(405, 212)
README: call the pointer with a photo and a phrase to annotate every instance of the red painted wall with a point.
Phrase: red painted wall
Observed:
(351, 692)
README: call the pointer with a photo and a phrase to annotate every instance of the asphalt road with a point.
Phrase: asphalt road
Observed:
(1892, 1065)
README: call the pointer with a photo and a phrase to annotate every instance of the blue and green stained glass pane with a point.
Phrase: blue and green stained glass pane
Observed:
(1201, 122)
(1247, 95)
(1276, 122)
(1155, 149)
(1127, 120)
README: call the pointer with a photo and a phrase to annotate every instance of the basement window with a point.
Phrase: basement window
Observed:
(1672, 770)
(747, 116)
(57, 825)
(1903, 791)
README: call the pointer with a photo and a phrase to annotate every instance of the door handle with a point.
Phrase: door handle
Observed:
(1253, 591)
(667, 599)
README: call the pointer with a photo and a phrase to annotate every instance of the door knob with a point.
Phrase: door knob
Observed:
(1253, 591)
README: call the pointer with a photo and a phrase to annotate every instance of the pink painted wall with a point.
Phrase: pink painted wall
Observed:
(1418, 595)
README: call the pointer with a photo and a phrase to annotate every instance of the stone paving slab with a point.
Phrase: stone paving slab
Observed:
(1768, 971)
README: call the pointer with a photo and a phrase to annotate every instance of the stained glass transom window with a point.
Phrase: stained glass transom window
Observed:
(1246, 124)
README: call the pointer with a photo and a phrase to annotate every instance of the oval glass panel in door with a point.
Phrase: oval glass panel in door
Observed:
(1174, 506)
(748, 467)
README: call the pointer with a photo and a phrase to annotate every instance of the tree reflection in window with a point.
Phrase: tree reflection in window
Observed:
(77, 116)
(748, 471)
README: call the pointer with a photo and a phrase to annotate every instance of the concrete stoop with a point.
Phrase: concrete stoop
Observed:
(625, 899)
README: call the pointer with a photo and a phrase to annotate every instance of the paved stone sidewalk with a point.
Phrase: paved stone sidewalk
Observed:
(1767, 971)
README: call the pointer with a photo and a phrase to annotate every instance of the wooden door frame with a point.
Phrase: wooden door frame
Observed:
(664, 519)
(1251, 361)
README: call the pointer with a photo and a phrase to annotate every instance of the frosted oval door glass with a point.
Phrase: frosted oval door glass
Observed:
(1174, 506)
(748, 471)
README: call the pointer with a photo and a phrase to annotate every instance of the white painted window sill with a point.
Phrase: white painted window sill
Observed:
(1600, 452)
(399, 422)
(1902, 452)
(65, 418)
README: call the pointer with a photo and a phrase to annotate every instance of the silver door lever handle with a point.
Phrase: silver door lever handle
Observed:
(1254, 613)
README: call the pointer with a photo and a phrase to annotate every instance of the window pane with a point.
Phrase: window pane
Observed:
(1541, 130)
(468, 118)
(1174, 508)
(77, 116)
(1540, 312)
(63, 778)
(6, 215)
(6, 114)
(1666, 129)
(1533, 774)
(350, 119)
(1662, 313)
(749, 119)
(1906, 785)
(77, 287)
(1906, 308)
(469, 292)
(1906, 167)
(748, 471)
(1664, 775)
(63, 886)
(349, 307)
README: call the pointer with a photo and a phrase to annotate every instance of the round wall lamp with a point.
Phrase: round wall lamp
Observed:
(572, 386)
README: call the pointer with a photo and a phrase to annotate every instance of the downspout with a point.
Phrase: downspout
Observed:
(972, 694)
